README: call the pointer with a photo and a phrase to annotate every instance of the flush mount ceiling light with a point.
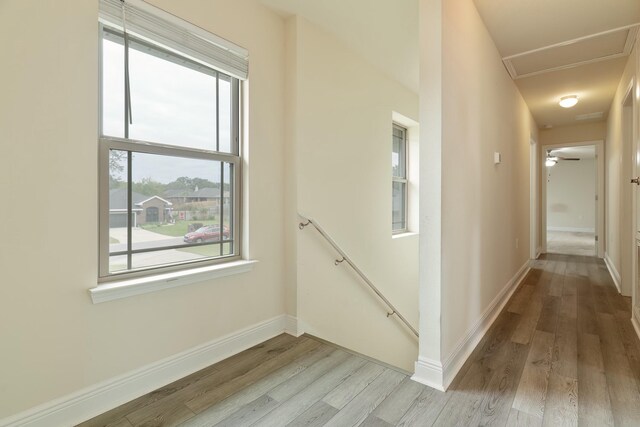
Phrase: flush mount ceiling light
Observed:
(568, 101)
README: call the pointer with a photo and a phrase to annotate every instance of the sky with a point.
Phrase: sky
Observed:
(170, 104)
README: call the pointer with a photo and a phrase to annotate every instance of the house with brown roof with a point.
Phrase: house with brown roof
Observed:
(144, 209)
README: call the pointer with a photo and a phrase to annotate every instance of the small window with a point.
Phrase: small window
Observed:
(399, 182)
(169, 159)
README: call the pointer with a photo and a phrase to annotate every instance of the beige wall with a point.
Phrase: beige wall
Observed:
(485, 206)
(582, 132)
(53, 340)
(341, 136)
(619, 164)
(291, 171)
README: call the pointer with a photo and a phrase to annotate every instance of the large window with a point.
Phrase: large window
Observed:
(399, 182)
(169, 158)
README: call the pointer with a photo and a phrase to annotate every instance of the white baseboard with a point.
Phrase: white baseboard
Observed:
(293, 326)
(612, 270)
(94, 400)
(468, 343)
(573, 229)
(430, 373)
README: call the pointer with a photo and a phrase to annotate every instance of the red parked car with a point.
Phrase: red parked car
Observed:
(208, 233)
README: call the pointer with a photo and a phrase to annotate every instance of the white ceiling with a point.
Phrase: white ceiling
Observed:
(595, 48)
(595, 84)
(385, 33)
(518, 26)
(521, 25)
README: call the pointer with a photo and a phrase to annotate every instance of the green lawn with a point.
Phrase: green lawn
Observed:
(180, 228)
(113, 240)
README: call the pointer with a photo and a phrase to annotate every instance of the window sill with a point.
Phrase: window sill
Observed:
(143, 285)
(405, 234)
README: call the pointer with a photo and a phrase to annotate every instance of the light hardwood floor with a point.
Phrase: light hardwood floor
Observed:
(571, 243)
(562, 352)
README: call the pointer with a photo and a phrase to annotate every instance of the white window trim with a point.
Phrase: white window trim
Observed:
(404, 180)
(143, 285)
(404, 234)
(105, 278)
(413, 174)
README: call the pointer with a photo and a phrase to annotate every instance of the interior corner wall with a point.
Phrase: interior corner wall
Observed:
(619, 167)
(53, 340)
(343, 154)
(485, 231)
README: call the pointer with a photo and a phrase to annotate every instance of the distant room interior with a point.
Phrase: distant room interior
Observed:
(571, 200)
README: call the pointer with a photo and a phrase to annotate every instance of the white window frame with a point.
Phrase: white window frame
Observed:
(106, 143)
(404, 180)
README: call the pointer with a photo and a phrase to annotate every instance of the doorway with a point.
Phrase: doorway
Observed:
(628, 200)
(571, 209)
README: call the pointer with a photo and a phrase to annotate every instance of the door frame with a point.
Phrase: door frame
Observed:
(534, 240)
(599, 144)
(629, 97)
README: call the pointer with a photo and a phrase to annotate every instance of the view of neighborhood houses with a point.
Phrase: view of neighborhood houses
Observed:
(181, 212)
(172, 102)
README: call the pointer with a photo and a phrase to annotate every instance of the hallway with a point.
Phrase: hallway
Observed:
(563, 352)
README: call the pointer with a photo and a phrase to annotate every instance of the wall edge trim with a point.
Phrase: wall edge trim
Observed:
(430, 373)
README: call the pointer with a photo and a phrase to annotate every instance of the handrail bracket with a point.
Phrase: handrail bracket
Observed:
(302, 225)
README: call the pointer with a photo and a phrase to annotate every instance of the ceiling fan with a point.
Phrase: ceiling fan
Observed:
(552, 160)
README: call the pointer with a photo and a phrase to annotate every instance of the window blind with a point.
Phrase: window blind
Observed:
(155, 25)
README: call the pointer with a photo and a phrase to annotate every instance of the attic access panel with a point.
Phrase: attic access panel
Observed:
(585, 50)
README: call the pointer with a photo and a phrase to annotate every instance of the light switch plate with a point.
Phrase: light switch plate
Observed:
(497, 158)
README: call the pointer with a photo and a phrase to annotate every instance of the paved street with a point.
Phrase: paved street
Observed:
(141, 238)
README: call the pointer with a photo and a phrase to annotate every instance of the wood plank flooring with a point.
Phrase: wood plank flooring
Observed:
(562, 353)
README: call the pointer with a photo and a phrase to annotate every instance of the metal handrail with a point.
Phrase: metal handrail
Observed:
(346, 258)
